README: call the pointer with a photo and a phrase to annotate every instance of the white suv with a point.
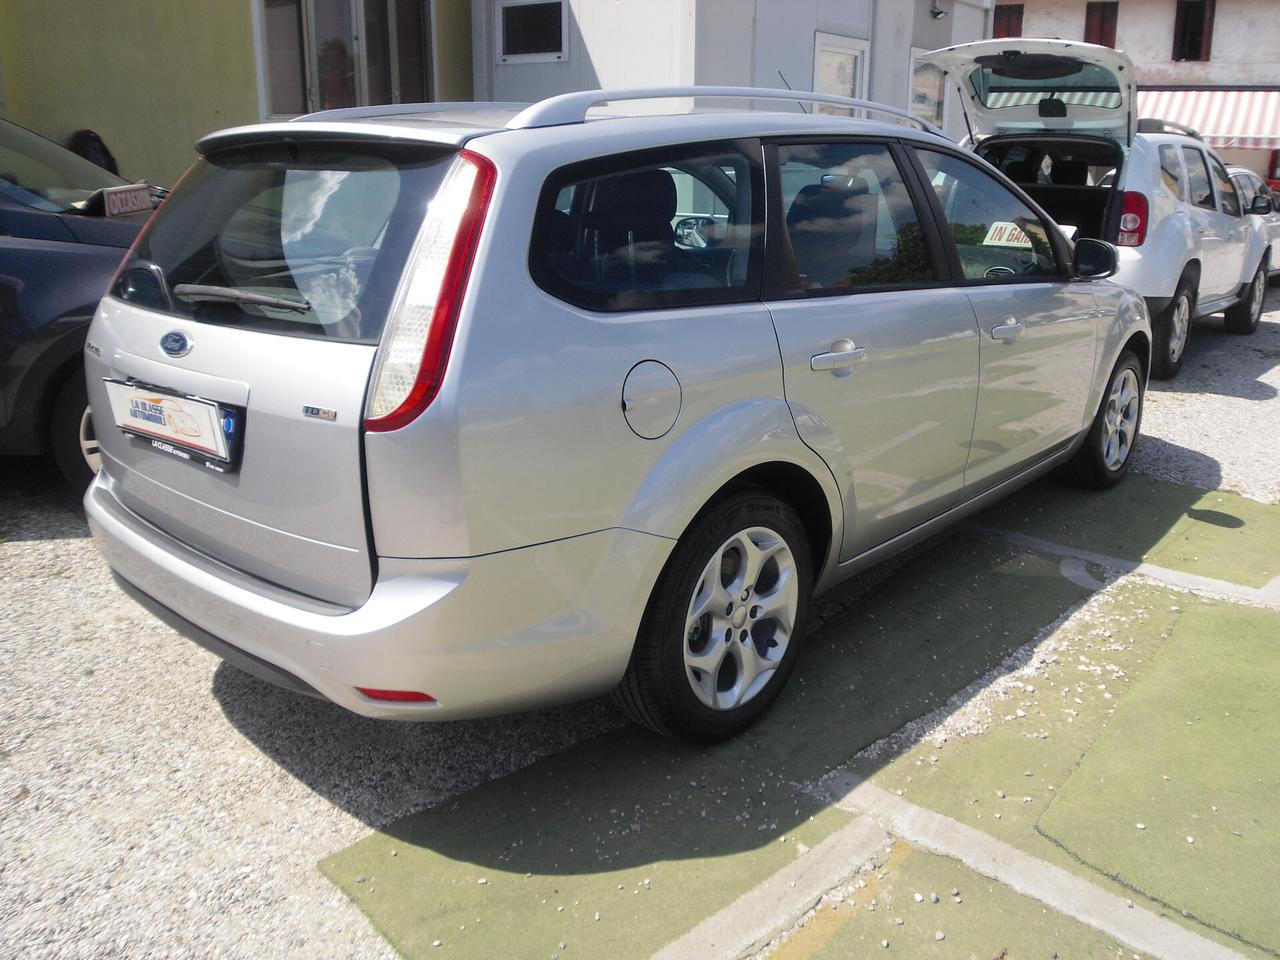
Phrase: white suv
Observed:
(1057, 117)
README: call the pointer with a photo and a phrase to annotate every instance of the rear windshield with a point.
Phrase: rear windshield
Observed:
(301, 239)
(1022, 79)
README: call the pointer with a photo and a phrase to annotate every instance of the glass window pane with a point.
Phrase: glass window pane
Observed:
(1201, 194)
(997, 236)
(335, 62)
(1226, 190)
(411, 47)
(1171, 171)
(532, 28)
(286, 81)
(928, 92)
(849, 218)
(377, 53)
(648, 231)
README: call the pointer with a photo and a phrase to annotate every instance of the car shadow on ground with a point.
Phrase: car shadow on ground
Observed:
(36, 503)
(920, 634)
(1229, 364)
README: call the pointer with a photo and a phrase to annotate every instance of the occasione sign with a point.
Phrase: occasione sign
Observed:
(122, 201)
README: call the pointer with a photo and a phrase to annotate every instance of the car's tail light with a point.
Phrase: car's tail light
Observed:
(396, 696)
(1133, 220)
(419, 334)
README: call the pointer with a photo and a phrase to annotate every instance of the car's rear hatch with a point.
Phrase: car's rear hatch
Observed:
(1023, 85)
(236, 344)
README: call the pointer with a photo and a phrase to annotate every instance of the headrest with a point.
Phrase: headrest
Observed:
(1071, 173)
(1022, 171)
(826, 200)
(642, 196)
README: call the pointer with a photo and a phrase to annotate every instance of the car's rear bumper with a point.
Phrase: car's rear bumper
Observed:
(484, 635)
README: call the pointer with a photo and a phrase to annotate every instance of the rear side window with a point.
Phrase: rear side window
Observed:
(997, 237)
(301, 239)
(1201, 194)
(662, 228)
(849, 218)
(1171, 174)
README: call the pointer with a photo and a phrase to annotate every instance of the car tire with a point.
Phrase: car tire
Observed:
(707, 663)
(1244, 316)
(71, 433)
(1171, 332)
(1104, 457)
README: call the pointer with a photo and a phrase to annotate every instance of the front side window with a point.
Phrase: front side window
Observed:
(659, 228)
(1200, 193)
(1227, 196)
(1171, 174)
(1245, 189)
(997, 237)
(849, 218)
(40, 174)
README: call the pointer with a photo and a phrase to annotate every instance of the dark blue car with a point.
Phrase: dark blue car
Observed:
(58, 252)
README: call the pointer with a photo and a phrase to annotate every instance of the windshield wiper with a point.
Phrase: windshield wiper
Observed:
(193, 292)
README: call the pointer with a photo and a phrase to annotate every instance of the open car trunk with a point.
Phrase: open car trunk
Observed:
(1072, 176)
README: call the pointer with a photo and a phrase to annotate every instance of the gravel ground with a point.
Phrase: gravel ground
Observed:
(1217, 424)
(156, 803)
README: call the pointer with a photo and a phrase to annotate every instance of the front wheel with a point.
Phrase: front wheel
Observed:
(1244, 316)
(1104, 457)
(721, 632)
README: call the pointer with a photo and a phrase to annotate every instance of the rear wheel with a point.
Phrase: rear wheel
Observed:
(1244, 316)
(721, 633)
(1171, 331)
(75, 446)
(1104, 457)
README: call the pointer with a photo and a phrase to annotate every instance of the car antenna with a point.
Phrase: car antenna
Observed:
(789, 87)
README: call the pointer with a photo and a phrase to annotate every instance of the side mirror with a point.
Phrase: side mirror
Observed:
(1094, 259)
(1261, 205)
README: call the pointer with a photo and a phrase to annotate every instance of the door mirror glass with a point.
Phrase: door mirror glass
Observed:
(1260, 205)
(1094, 259)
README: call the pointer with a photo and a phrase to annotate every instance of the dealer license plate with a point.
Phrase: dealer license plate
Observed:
(174, 421)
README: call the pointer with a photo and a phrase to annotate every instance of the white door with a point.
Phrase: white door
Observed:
(840, 66)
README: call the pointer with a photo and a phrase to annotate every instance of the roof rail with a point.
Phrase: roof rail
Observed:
(1158, 125)
(573, 107)
(404, 110)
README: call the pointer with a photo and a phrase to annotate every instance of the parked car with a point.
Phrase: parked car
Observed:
(541, 445)
(58, 252)
(1057, 117)
(1251, 187)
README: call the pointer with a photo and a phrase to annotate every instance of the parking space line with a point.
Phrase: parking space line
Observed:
(775, 903)
(1136, 926)
(1267, 596)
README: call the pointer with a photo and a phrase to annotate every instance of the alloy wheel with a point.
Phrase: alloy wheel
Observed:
(1181, 325)
(1120, 423)
(740, 618)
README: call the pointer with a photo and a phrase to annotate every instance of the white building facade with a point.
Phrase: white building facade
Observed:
(528, 49)
(1213, 65)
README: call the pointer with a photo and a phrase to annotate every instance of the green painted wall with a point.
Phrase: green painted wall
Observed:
(452, 49)
(150, 76)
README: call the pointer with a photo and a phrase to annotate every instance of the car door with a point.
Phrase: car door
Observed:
(1236, 229)
(1209, 225)
(1038, 328)
(879, 350)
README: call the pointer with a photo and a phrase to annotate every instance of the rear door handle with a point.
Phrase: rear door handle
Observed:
(842, 356)
(1008, 331)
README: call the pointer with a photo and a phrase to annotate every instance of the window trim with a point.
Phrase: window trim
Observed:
(1059, 243)
(506, 59)
(779, 266)
(553, 285)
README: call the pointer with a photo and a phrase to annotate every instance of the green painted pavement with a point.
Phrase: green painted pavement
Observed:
(1005, 779)
(701, 825)
(1211, 533)
(1191, 755)
(988, 920)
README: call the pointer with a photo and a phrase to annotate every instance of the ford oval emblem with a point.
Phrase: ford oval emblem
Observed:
(176, 343)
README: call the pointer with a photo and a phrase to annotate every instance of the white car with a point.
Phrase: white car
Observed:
(1057, 118)
(1252, 188)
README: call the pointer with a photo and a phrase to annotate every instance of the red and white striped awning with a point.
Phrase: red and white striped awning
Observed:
(1246, 119)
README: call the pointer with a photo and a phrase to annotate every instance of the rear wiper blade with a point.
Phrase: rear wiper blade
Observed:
(192, 292)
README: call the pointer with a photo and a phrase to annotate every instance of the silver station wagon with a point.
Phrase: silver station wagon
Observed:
(452, 410)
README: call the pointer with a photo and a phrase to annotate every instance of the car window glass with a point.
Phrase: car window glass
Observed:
(1200, 193)
(1227, 195)
(648, 230)
(1245, 188)
(41, 174)
(1171, 173)
(849, 218)
(997, 237)
(1262, 189)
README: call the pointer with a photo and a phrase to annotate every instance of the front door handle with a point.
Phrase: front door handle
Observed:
(839, 359)
(1008, 331)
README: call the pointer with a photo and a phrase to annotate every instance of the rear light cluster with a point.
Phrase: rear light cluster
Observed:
(415, 345)
(1133, 220)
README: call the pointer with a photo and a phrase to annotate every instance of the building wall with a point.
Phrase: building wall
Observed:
(1246, 39)
(451, 49)
(150, 76)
